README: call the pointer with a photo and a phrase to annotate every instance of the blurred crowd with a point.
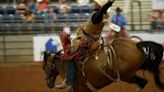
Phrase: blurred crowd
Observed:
(157, 19)
(29, 9)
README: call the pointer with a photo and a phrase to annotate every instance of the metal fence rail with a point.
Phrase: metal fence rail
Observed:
(16, 48)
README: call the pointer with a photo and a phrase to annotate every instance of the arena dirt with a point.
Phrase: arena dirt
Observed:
(29, 78)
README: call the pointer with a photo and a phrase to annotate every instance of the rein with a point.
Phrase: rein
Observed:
(112, 51)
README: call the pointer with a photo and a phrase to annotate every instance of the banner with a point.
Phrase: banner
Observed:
(43, 43)
(158, 4)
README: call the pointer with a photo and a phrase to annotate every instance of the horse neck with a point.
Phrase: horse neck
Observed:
(61, 67)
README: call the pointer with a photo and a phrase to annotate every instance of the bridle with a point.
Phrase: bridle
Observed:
(52, 67)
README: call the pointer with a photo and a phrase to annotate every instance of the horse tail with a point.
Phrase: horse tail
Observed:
(153, 57)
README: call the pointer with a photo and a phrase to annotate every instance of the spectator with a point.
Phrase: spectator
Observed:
(21, 8)
(20, 1)
(42, 6)
(29, 17)
(51, 15)
(83, 2)
(153, 24)
(63, 7)
(32, 5)
(156, 20)
(119, 19)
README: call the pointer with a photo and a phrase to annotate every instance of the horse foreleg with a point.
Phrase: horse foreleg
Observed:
(141, 82)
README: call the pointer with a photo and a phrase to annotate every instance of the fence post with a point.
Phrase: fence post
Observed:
(4, 47)
(132, 14)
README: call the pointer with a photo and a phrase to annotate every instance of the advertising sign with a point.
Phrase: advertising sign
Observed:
(158, 4)
(45, 43)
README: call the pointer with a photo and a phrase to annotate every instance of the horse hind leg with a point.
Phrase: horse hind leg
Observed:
(141, 82)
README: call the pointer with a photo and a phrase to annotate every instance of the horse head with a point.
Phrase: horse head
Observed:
(53, 66)
(49, 69)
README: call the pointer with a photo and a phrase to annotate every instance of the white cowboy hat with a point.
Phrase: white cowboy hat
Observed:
(101, 2)
(39, 1)
(67, 31)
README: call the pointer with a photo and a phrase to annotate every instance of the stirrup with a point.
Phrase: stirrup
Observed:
(61, 86)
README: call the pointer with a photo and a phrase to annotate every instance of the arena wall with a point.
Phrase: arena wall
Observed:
(20, 48)
(17, 48)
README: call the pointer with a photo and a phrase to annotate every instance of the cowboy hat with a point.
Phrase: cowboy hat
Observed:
(100, 2)
(118, 9)
(39, 1)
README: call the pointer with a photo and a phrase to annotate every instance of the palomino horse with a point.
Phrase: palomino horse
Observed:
(120, 61)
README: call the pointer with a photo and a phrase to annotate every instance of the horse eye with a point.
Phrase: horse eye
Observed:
(52, 65)
(43, 67)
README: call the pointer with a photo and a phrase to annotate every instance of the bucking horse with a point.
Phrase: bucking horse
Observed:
(120, 60)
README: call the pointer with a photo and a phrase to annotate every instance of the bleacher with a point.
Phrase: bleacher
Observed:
(11, 22)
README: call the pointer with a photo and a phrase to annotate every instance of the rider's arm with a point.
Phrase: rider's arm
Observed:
(98, 16)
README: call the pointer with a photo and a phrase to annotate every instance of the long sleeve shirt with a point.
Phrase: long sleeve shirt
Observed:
(121, 21)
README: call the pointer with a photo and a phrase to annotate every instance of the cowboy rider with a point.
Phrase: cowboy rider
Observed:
(94, 23)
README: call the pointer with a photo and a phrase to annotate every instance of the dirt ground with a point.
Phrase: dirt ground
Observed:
(29, 78)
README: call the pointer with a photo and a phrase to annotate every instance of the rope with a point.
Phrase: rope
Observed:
(116, 63)
(89, 85)
(99, 66)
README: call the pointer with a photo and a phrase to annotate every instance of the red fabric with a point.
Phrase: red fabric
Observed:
(66, 43)
(43, 5)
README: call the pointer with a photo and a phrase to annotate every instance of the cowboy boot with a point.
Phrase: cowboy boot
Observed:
(69, 88)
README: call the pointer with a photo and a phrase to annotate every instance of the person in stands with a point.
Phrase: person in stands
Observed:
(42, 6)
(64, 7)
(119, 20)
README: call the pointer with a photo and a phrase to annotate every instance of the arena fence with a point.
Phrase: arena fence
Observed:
(16, 48)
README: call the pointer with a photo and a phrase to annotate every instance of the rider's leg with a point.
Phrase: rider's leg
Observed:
(69, 80)
(70, 73)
